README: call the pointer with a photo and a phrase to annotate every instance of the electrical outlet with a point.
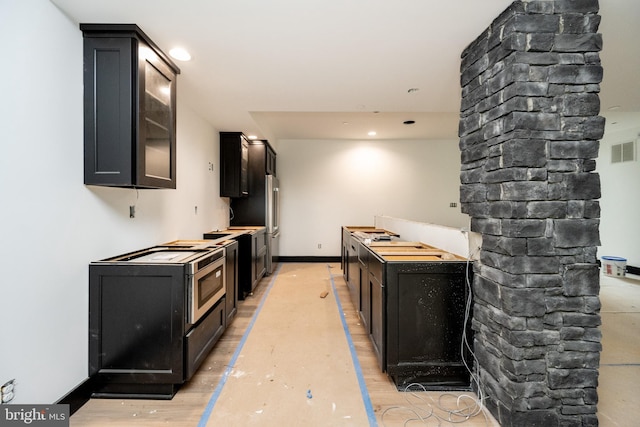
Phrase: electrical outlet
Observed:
(132, 211)
(453, 205)
(319, 245)
(7, 391)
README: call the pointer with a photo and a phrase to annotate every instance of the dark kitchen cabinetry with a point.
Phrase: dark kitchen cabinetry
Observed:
(413, 307)
(129, 109)
(371, 299)
(365, 286)
(353, 267)
(425, 316)
(251, 257)
(201, 339)
(376, 277)
(259, 244)
(234, 164)
(270, 164)
(140, 343)
(252, 209)
(344, 263)
(231, 278)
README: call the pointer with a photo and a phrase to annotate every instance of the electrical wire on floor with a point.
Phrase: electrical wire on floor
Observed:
(447, 409)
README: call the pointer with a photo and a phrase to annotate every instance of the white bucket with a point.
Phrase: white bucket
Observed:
(614, 266)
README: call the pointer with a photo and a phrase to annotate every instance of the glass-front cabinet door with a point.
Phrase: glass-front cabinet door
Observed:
(157, 133)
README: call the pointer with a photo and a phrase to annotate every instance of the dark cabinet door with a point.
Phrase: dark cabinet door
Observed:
(129, 109)
(378, 314)
(231, 278)
(354, 272)
(259, 255)
(365, 287)
(108, 111)
(271, 161)
(156, 157)
(136, 329)
(245, 265)
(234, 165)
(426, 305)
(365, 298)
(344, 259)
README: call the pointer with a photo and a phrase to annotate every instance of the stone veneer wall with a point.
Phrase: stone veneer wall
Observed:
(529, 131)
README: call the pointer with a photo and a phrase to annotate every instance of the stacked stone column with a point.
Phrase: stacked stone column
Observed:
(529, 132)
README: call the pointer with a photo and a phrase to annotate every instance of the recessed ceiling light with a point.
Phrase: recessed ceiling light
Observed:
(180, 54)
(372, 133)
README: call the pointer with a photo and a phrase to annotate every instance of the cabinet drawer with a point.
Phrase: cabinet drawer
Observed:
(201, 339)
(260, 241)
(363, 254)
(376, 268)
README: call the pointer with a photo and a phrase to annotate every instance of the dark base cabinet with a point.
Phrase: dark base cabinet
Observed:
(245, 265)
(246, 262)
(425, 324)
(140, 344)
(414, 313)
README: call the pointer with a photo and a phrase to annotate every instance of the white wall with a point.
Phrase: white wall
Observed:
(326, 184)
(52, 225)
(451, 239)
(620, 205)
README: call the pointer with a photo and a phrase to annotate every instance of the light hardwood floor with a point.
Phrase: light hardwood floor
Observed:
(618, 391)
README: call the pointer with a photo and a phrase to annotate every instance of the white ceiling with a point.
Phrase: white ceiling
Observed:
(336, 69)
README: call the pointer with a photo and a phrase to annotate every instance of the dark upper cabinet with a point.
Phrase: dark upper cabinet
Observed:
(234, 164)
(129, 109)
(271, 161)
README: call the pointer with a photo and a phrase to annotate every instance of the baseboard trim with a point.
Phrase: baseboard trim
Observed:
(308, 259)
(633, 270)
(77, 397)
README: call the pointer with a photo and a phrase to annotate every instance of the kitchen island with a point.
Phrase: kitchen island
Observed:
(412, 299)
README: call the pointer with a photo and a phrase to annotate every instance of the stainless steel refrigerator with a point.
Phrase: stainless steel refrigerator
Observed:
(261, 206)
(273, 221)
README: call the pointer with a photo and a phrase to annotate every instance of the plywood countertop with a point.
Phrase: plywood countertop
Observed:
(400, 244)
(411, 251)
(411, 258)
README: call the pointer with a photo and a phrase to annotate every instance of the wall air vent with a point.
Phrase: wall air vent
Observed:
(624, 152)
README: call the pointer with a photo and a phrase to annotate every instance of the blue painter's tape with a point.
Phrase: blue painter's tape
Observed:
(354, 357)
